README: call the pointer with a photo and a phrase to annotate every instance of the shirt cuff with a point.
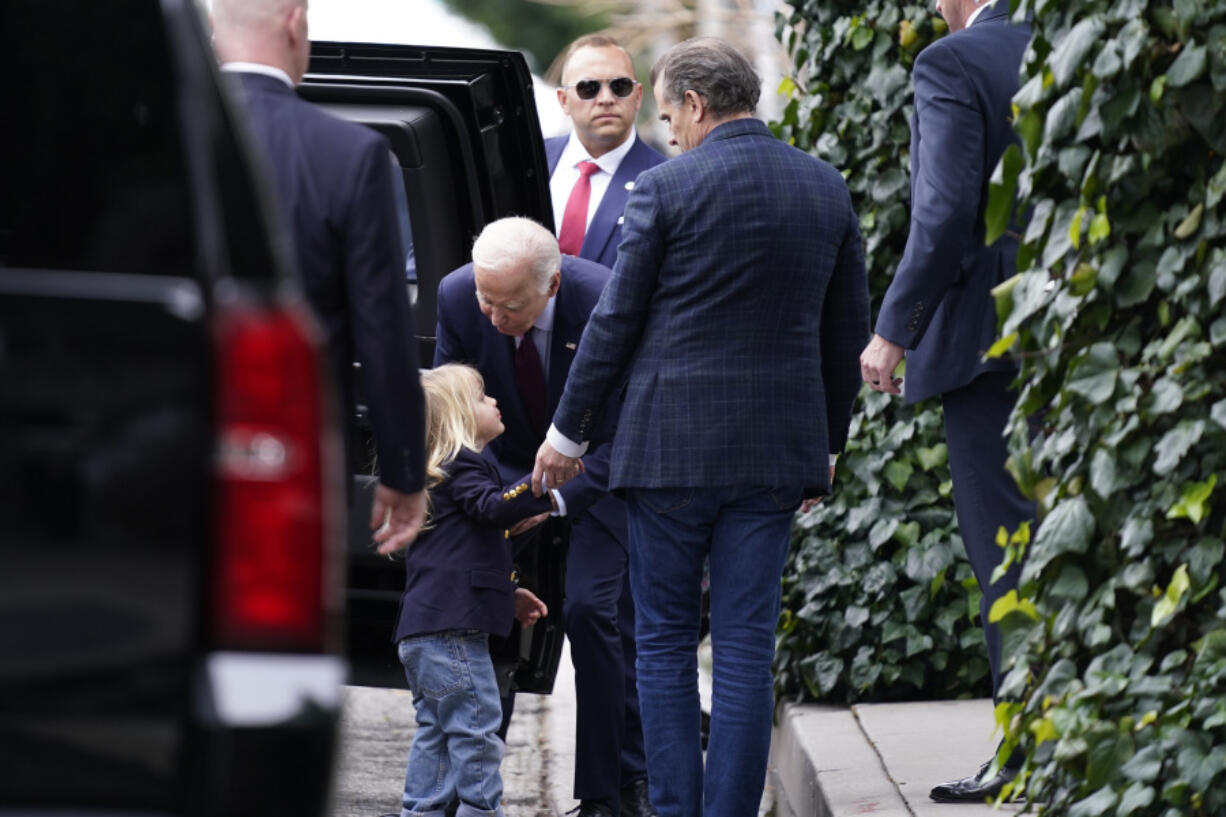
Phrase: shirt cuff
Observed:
(564, 445)
(559, 501)
(833, 459)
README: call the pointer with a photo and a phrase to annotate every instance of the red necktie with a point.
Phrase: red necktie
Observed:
(574, 220)
(530, 379)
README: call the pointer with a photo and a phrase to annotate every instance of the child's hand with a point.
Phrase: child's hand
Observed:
(528, 524)
(528, 608)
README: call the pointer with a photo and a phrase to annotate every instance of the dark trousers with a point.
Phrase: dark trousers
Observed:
(985, 495)
(599, 620)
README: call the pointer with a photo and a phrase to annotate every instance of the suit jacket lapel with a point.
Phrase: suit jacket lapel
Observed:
(564, 341)
(612, 204)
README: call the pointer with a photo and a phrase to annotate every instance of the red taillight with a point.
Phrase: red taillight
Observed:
(273, 495)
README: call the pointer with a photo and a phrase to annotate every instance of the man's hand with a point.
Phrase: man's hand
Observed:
(396, 518)
(556, 468)
(877, 364)
(528, 524)
(528, 608)
(810, 504)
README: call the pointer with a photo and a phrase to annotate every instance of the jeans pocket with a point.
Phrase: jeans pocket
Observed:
(434, 664)
(787, 499)
(663, 501)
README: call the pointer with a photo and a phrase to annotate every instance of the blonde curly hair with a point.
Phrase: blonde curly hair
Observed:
(451, 421)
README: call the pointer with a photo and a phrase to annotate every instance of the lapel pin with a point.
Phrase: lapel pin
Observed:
(621, 219)
(571, 346)
(629, 185)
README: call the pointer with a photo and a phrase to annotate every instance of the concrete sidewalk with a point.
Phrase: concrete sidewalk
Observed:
(826, 761)
(880, 759)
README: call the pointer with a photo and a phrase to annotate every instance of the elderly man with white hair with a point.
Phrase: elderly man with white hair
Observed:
(517, 314)
(334, 187)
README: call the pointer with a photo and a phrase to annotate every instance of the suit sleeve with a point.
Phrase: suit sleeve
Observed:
(946, 186)
(844, 332)
(592, 485)
(477, 491)
(384, 339)
(616, 325)
(447, 343)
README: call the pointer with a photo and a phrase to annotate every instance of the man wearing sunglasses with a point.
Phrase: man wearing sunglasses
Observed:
(593, 169)
(591, 174)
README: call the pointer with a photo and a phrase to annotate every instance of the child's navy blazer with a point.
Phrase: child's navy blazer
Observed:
(458, 572)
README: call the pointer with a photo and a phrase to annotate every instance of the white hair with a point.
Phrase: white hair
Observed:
(510, 242)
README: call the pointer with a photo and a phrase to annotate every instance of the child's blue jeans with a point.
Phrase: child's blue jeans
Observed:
(456, 750)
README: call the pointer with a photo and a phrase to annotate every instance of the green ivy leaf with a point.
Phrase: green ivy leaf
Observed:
(1187, 67)
(1144, 766)
(1094, 375)
(1191, 224)
(897, 472)
(1096, 805)
(937, 456)
(1001, 192)
(1168, 604)
(1072, 51)
(1001, 346)
(1009, 603)
(1100, 228)
(1175, 443)
(1192, 500)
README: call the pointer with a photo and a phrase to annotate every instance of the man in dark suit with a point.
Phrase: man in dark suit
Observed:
(333, 181)
(939, 308)
(592, 171)
(731, 325)
(520, 290)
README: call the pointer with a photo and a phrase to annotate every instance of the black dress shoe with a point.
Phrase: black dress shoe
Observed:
(635, 802)
(974, 789)
(591, 808)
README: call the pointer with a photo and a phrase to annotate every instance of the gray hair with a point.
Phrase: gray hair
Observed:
(509, 242)
(714, 70)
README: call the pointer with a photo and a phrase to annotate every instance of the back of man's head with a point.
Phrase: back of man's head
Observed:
(263, 31)
(516, 242)
(713, 69)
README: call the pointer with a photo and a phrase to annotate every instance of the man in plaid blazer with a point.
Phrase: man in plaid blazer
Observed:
(731, 329)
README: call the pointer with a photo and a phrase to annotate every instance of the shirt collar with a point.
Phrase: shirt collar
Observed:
(970, 21)
(258, 68)
(575, 152)
(544, 321)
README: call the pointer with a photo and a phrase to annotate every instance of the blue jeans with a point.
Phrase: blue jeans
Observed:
(456, 750)
(744, 532)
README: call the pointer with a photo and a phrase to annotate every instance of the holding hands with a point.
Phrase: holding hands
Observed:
(553, 467)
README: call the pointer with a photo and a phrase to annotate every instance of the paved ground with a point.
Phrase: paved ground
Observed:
(881, 759)
(826, 761)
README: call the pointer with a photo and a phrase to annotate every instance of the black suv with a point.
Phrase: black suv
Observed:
(172, 560)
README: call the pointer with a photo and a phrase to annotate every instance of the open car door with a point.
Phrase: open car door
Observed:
(467, 143)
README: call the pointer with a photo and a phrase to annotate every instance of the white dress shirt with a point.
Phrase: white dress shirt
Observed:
(565, 174)
(258, 68)
(970, 21)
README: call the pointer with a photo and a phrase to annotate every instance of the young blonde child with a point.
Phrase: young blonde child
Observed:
(460, 589)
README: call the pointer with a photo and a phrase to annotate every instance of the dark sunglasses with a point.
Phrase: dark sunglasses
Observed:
(590, 88)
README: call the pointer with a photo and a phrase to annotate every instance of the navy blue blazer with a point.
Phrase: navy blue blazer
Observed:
(458, 573)
(737, 310)
(605, 231)
(464, 335)
(333, 181)
(939, 305)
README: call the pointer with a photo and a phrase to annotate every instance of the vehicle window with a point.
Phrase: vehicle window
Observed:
(93, 167)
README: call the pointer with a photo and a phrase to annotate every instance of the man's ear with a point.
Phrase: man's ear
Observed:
(696, 104)
(295, 22)
(562, 101)
(554, 282)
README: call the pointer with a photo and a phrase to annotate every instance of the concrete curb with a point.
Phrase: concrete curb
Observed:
(827, 767)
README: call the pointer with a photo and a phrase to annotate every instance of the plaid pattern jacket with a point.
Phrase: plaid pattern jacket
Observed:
(733, 323)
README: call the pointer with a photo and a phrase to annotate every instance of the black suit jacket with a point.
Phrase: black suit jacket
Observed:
(458, 572)
(466, 336)
(333, 181)
(939, 305)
